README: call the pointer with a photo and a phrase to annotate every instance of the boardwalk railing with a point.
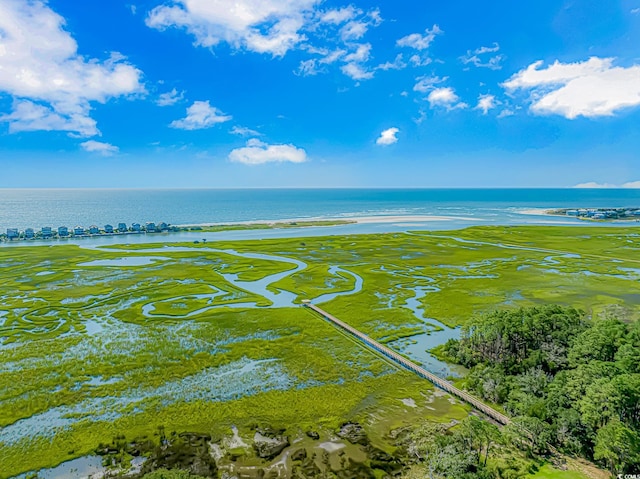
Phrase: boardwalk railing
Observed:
(411, 366)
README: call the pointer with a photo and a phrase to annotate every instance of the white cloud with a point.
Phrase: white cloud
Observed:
(275, 27)
(51, 84)
(506, 112)
(361, 54)
(307, 68)
(170, 98)
(354, 63)
(486, 102)
(426, 83)
(200, 115)
(445, 97)
(354, 30)
(257, 153)
(333, 56)
(105, 149)
(244, 131)
(397, 64)
(340, 15)
(419, 41)
(388, 137)
(591, 88)
(263, 26)
(483, 57)
(594, 184)
(635, 11)
(418, 61)
(356, 71)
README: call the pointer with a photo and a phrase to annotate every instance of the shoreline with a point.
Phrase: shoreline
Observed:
(562, 213)
(313, 222)
(333, 221)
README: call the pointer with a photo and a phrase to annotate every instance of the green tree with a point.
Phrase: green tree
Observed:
(618, 447)
(600, 342)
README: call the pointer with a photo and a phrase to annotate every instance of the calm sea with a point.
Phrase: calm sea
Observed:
(22, 208)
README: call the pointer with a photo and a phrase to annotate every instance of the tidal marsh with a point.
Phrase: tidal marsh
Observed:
(202, 337)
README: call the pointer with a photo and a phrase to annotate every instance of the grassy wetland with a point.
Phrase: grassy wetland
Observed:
(97, 343)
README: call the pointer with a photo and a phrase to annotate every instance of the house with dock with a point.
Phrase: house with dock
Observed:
(94, 230)
(150, 227)
(29, 233)
(122, 227)
(136, 228)
(63, 231)
(46, 232)
(108, 229)
(78, 231)
(13, 233)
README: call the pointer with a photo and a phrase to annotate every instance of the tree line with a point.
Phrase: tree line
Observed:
(568, 381)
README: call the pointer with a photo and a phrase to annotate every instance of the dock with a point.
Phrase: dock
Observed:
(413, 367)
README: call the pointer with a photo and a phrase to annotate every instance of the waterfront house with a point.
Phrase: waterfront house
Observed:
(78, 231)
(108, 229)
(163, 226)
(150, 227)
(63, 231)
(29, 233)
(136, 227)
(122, 228)
(46, 232)
(13, 233)
(573, 213)
(94, 230)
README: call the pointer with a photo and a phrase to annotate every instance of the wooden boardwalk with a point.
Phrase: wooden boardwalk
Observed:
(411, 366)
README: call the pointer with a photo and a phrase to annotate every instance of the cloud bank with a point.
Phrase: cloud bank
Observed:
(592, 88)
(257, 153)
(594, 184)
(51, 84)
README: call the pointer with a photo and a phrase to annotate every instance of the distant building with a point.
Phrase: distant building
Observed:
(163, 226)
(150, 227)
(46, 232)
(94, 230)
(573, 213)
(136, 227)
(122, 228)
(63, 231)
(108, 229)
(13, 233)
(78, 231)
(29, 233)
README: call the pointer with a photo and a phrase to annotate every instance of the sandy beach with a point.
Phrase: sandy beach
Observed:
(346, 219)
(537, 212)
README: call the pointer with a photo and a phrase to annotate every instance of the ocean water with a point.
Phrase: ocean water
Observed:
(22, 208)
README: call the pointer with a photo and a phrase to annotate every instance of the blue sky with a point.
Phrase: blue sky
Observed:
(309, 93)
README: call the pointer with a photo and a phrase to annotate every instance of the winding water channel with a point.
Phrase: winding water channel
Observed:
(416, 347)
